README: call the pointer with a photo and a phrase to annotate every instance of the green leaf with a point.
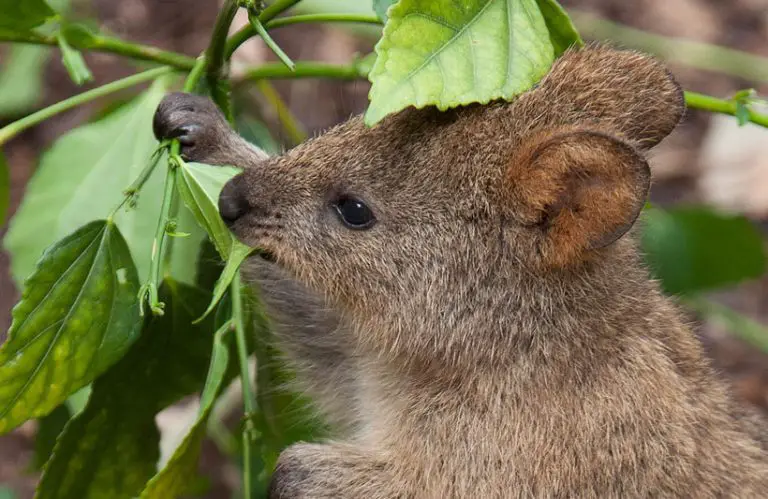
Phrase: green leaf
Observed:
(695, 249)
(23, 15)
(173, 480)
(48, 430)
(381, 6)
(448, 53)
(742, 113)
(82, 178)
(199, 186)
(112, 447)
(21, 79)
(237, 255)
(5, 188)
(74, 62)
(257, 133)
(562, 32)
(77, 316)
(6, 493)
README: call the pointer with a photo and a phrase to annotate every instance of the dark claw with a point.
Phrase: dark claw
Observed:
(192, 119)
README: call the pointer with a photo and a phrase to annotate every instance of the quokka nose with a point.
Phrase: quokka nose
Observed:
(232, 202)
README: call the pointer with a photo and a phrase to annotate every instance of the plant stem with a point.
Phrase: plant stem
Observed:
(259, 28)
(248, 31)
(249, 399)
(109, 45)
(291, 125)
(33, 119)
(216, 55)
(712, 104)
(148, 292)
(132, 192)
(322, 18)
(305, 69)
(277, 8)
(694, 54)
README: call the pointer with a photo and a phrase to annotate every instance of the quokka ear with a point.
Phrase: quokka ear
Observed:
(579, 190)
(622, 92)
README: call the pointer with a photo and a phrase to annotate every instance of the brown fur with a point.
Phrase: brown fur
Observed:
(493, 334)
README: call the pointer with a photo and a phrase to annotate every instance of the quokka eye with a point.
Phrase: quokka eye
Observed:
(354, 213)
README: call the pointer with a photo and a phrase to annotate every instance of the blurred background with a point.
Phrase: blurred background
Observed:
(709, 159)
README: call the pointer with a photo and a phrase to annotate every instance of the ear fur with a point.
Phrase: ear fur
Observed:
(582, 190)
(625, 93)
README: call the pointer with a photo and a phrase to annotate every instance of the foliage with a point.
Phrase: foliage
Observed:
(434, 52)
(113, 221)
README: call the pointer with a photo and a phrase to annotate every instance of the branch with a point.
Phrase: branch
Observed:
(305, 69)
(712, 104)
(33, 119)
(215, 54)
(323, 18)
(108, 45)
(248, 31)
(694, 54)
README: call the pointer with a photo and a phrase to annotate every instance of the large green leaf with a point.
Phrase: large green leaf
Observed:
(82, 178)
(5, 188)
(173, 480)
(111, 448)
(448, 53)
(23, 15)
(695, 249)
(21, 78)
(77, 316)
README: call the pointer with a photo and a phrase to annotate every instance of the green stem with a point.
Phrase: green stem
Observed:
(33, 119)
(305, 69)
(249, 399)
(323, 18)
(259, 28)
(132, 192)
(289, 122)
(277, 8)
(109, 45)
(148, 292)
(248, 31)
(694, 54)
(712, 104)
(216, 55)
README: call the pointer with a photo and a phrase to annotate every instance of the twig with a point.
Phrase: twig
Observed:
(694, 54)
(712, 104)
(19, 126)
(111, 45)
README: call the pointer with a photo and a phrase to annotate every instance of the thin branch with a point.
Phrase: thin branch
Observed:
(290, 123)
(106, 44)
(216, 56)
(19, 126)
(276, 9)
(259, 28)
(714, 105)
(305, 69)
(698, 55)
(323, 18)
(247, 31)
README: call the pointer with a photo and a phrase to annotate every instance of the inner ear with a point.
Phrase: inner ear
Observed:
(582, 190)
